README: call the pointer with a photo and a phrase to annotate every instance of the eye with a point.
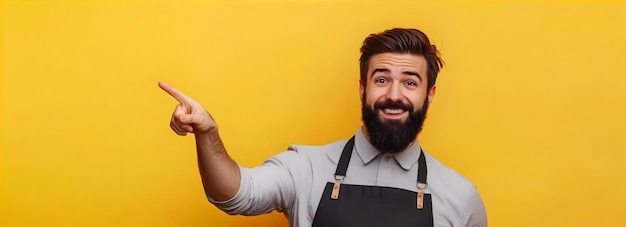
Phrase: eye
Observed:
(380, 80)
(411, 83)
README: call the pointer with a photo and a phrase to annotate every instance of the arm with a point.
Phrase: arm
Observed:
(267, 187)
(220, 174)
(475, 214)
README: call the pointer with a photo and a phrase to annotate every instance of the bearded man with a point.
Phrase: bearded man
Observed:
(379, 177)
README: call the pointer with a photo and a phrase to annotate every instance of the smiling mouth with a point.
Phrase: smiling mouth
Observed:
(393, 111)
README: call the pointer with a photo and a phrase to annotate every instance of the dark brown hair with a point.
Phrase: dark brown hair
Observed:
(401, 40)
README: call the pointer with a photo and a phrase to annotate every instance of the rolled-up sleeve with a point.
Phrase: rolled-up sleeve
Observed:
(265, 188)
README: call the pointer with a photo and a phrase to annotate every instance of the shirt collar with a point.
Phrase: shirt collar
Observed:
(367, 152)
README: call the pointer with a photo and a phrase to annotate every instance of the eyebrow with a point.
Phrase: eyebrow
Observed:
(409, 73)
(380, 70)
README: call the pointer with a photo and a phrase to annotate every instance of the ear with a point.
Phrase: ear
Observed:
(361, 90)
(431, 94)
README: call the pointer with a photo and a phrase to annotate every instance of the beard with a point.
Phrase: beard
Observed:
(390, 135)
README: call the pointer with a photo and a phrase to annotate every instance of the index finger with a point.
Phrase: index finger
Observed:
(173, 92)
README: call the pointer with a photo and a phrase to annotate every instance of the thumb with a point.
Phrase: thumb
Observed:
(186, 119)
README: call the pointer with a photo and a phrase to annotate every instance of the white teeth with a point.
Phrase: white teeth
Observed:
(394, 111)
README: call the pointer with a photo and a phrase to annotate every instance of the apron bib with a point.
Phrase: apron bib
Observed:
(348, 205)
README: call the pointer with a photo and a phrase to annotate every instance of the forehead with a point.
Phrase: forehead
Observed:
(401, 61)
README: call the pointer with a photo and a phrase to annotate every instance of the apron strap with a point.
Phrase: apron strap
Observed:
(342, 167)
(422, 171)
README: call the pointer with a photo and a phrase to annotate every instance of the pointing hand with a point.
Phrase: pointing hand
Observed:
(189, 115)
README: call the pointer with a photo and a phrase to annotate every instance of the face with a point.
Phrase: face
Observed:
(394, 100)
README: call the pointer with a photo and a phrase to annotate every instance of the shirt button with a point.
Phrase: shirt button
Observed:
(387, 158)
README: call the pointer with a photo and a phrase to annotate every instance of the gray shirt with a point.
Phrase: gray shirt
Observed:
(293, 182)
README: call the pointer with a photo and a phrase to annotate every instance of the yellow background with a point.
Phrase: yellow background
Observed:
(530, 105)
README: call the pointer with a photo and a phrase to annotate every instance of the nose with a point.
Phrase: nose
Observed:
(394, 93)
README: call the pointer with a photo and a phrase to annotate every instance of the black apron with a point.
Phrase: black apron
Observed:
(348, 205)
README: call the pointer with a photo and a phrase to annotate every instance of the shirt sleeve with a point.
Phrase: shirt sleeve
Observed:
(475, 214)
(264, 188)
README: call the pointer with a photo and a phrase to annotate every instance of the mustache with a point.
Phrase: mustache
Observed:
(384, 104)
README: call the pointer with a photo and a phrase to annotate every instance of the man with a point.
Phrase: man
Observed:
(379, 177)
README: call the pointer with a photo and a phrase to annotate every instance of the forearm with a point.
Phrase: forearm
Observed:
(220, 174)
